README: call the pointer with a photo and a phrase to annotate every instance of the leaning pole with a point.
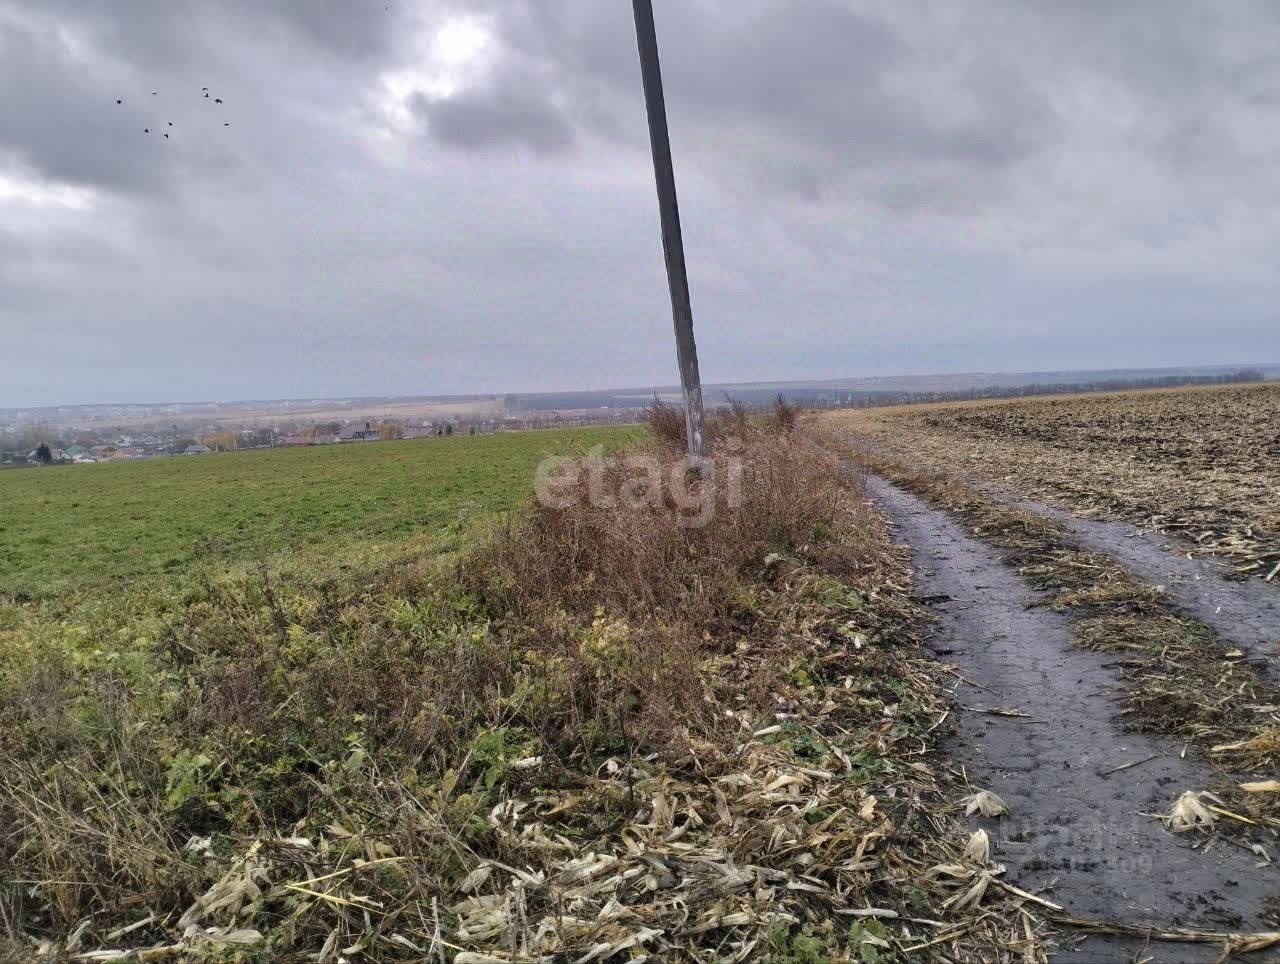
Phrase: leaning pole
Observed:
(672, 241)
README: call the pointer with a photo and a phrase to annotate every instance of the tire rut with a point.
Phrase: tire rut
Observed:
(1070, 825)
(1245, 612)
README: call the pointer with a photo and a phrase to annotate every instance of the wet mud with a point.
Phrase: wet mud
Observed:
(1245, 612)
(1074, 828)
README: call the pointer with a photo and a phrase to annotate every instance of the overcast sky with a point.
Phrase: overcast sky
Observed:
(421, 197)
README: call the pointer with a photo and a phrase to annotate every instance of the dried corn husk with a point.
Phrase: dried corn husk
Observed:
(978, 849)
(1263, 786)
(1188, 813)
(986, 803)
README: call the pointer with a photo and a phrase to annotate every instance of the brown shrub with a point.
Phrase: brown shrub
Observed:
(666, 423)
(737, 419)
(785, 414)
(654, 559)
(674, 586)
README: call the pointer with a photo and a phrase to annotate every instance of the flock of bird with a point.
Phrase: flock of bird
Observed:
(156, 93)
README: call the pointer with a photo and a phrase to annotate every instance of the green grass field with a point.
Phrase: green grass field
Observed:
(76, 529)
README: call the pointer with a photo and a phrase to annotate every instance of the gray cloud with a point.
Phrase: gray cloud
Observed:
(166, 33)
(65, 124)
(799, 97)
(505, 113)
(867, 185)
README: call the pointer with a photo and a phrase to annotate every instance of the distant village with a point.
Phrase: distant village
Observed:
(40, 444)
(83, 434)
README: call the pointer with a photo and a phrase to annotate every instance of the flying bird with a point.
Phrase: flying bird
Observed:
(227, 124)
(119, 101)
(146, 130)
(217, 100)
(170, 123)
(206, 95)
(166, 137)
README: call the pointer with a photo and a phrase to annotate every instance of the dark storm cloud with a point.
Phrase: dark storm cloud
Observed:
(912, 106)
(167, 31)
(511, 111)
(867, 186)
(64, 64)
(67, 125)
(805, 95)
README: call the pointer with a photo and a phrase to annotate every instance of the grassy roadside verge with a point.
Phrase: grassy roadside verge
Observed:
(1180, 679)
(599, 732)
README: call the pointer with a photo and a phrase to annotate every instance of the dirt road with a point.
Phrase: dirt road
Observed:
(1073, 827)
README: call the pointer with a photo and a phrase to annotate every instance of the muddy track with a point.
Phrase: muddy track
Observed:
(1072, 825)
(1245, 612)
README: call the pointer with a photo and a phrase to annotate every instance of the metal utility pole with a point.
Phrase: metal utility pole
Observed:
(672, 242)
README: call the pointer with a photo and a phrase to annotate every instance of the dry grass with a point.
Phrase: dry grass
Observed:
(786, 415)
(666, 423)
(605, 732)
(769, 494)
